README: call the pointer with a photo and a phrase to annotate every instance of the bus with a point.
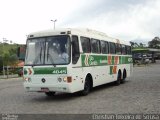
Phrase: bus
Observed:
(74, 60)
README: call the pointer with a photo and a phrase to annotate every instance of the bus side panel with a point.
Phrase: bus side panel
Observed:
(101, 75)
(77, 79)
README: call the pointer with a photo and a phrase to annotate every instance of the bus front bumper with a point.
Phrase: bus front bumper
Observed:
(47, 88)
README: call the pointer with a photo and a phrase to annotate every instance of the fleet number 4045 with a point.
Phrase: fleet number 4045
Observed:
(59, 72)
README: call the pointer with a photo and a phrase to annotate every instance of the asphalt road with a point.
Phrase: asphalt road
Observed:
(140, 94)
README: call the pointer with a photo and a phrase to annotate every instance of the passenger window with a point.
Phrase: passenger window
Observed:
(128, 50)
(118, 48)
(112, 48)
(75, 49)
(85, 42)
(123, 50)
(104, 47)
(95, 46)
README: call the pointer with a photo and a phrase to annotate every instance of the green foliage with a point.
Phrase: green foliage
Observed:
(1, 61)
(136, 45)
(8, 54)
(155, 43)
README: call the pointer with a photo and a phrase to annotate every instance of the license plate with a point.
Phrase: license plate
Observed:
(44, 89)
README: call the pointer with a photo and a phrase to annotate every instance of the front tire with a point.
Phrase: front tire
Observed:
(87, 87)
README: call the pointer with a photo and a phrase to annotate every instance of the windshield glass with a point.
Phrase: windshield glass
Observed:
(48, 50)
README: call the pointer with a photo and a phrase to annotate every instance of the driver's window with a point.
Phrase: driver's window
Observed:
(75, 49)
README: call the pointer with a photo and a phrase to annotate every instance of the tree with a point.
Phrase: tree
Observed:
(1, 64)
(141, 45)
(13, 59)
(136, 45)
(8, 55)
(155, 43)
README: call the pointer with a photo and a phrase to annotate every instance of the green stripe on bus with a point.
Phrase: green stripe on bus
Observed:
(48, 70)
(100, 60)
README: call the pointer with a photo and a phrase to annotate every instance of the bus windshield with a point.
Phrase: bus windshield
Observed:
(53, 50)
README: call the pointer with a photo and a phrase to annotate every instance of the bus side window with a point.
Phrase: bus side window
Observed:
(118, 49)
(75, 49)
(85, 42)
(123, 50)
(104, 47)
(95, 46)
(112, 48)
(107, 46)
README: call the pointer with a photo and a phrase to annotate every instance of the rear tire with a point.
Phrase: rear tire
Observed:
(118, 81)
(123, 80)
(124, 77)
(50, 93)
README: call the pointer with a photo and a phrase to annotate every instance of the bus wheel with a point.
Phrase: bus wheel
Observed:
(118, 81)
(124, 77)
(50, 93)
(87, 87)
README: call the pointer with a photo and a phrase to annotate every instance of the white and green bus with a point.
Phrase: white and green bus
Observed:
(72, 60)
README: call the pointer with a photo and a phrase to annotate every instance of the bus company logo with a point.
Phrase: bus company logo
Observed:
(103, 61)
(90, 61)
(86, 60)
(129, 60)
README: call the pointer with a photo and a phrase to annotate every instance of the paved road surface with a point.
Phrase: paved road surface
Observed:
(140, 94)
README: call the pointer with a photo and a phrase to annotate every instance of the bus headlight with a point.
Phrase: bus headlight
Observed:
(67, 79)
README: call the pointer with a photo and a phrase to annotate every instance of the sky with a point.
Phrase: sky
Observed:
(131, 20)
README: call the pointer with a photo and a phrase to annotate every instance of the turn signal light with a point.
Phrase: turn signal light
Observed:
(67, 79)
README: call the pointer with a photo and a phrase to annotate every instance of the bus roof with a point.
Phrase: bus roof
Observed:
(85, 32)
